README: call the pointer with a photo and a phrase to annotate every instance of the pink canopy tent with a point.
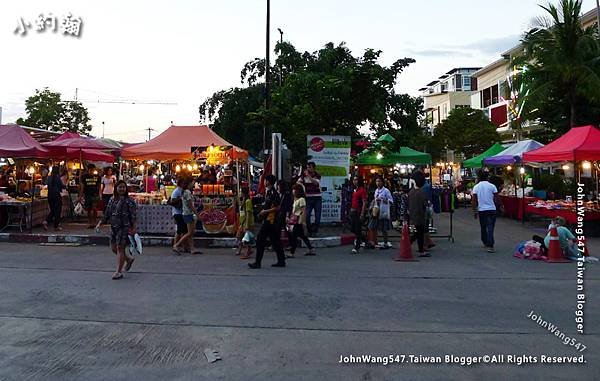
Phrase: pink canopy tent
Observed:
(73, 146)
(580, 143)
(15, 142)
(176, 142)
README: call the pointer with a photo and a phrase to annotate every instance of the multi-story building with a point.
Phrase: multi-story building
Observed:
(451, 90)
(491, 84)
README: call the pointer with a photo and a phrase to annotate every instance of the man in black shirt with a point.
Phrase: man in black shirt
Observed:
(270, 229)
(90, 191)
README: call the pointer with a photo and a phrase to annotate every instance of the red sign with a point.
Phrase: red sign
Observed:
(317, 144)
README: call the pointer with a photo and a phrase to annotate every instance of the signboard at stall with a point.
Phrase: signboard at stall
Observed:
(214, 155)
(331, 154)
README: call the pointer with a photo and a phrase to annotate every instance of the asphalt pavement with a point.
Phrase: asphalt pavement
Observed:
(63, 318)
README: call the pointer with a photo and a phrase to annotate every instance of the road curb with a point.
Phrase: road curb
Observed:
(148, 240)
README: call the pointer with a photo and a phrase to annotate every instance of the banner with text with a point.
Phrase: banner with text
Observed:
(331, 154)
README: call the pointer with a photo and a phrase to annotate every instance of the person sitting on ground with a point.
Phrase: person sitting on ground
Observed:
(565, 237)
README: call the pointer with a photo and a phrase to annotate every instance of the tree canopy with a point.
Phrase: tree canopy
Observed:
(465, 130)
(46, 110)
(560, 69)
(329, 91)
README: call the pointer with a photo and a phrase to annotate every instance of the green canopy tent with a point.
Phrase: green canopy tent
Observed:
(477, 161)
(404, 156)
(387, 138)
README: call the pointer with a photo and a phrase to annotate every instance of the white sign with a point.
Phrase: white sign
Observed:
(331, 154)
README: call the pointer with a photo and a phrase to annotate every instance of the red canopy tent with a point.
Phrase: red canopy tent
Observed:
(15, 142)
(580, 143)
(176, 142)
(73, 146)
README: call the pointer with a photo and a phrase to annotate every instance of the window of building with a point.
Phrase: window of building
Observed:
(495, 94)
(466, 82)
(458, 80)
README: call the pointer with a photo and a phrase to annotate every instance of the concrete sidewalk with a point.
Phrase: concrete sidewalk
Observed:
(78, 234)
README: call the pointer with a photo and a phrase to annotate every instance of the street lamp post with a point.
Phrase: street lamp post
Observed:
(102, 130)
(267, 77)
(281, 42)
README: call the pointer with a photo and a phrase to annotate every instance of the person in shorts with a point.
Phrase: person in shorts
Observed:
(90, 192)
(176, 202)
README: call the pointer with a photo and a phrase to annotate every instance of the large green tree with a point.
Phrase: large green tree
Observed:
(560, 68)
(329, 91)
(47, 111)
(465, 130)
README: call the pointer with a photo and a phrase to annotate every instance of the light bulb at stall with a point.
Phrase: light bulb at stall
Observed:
(31, 170)
(522, 170)
(195, 167)
(178, 168)
(565, 167)
(379, 156)
(142, 167)
(189, 167)
(508, 168)
(586, 165)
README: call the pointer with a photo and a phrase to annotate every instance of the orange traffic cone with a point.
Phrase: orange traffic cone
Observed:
(405, 254)
(555, 254)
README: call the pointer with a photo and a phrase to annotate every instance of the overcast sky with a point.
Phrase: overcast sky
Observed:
(182, 51)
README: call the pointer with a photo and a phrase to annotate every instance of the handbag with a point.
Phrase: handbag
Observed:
(78, 209)
(176, 203)
(374, 209)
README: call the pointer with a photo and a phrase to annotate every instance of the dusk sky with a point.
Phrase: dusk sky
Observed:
(183, 51)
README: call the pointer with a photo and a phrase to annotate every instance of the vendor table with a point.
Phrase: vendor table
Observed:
(27, 214)
(569, 215)
(513, 206)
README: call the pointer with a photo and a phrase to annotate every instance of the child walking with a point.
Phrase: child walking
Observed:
(297, 222)
(246, 224)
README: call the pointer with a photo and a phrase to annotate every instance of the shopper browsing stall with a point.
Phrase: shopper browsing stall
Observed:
(417, 212)
(90, 192)
(55, 188)
(190, 218)
(107, 187)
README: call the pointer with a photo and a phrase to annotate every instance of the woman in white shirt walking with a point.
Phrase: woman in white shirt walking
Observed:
(107, 186)
(297, 221)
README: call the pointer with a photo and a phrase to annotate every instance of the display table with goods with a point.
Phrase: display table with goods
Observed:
(565, 209)
(23, 213)
(514, 206)
(217, 213)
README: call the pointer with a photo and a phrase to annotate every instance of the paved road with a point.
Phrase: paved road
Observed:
(62, 318)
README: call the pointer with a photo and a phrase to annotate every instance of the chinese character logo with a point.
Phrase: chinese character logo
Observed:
(69, 25)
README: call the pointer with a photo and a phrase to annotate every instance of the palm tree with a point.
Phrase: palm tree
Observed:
(560, 63)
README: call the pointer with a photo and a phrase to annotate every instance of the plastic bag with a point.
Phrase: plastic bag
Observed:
(78, 209)
(135, 244)
(248, 238)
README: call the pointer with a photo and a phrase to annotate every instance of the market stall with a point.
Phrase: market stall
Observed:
(580, 147)
(19, 206)
(477, 161)
(197, 151)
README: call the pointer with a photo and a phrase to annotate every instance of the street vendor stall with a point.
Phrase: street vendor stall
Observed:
(477, 161)
(20, 208)
(199, 152)
(580, 146)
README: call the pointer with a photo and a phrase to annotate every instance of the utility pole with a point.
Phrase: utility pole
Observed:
(102, 130)
(267, 77)
(280, 43)
(149, 129)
